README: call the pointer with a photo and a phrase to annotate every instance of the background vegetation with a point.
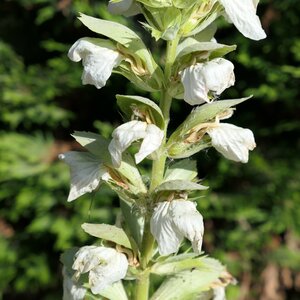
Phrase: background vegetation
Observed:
(252, 211)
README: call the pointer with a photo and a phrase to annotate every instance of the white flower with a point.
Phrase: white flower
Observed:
(242, 13)
(219, 293)
(98, 61)
(172, 221)
(105, 266)
(198, 80)
(86, 173)
(71, 289)
(127, 133)
(232, 141)
(123, 7)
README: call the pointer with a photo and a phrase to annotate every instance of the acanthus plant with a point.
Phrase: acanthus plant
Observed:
(158, 213)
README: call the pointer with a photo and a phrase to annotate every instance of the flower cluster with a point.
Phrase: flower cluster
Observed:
(156, 207)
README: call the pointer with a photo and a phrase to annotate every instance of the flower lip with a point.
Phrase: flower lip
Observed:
(129, 132)
(243, 16)
(98, 59)
(172, 221)
(105, 266)
(213, 76)
(232, 142)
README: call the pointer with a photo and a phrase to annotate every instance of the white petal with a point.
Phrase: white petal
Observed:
(123, 7)
(242, 13)
(123, 137)
(164, 230)
(218, 75)
(87, 258)
(113, 269)
(127, 133)
(232, 141)
(71, 289)
(86, 172)
(151, 142)
(98, 61)
(189, 222)
(215, 76)
(219, 293)
(105, 266)
(195, 90)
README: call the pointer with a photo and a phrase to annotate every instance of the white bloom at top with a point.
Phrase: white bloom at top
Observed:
(71, 289)
(86, 172)
(200, 79)
(232, 141)
(123, 7)
(242, 13)
(219, 293)
(127, 133)
(172, 221)
(105, 266)
(98, 61)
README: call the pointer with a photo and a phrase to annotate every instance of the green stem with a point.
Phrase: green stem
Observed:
(142, 287)
(158, 169)
(158, 166)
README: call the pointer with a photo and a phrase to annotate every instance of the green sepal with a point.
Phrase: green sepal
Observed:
(180, 185)
(209, 50)
(129, 170)
(133, 221)
(94, 143)
(144, 105)
(185, 169)
(184, 150)
(107, 232)
(201, 114)
(157, 3)
(114, 291)
(179, 263)
(163, 22)
(187, 285)
(67, 259)
(193, 26)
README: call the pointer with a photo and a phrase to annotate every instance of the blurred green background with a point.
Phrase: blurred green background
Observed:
(252, 211)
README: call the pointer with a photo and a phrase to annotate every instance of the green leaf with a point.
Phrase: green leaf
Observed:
(187, 285)
(183, 170)
(144, 105)
(180, 185)
(107, 232)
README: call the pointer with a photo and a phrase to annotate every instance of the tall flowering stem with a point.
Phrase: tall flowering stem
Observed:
(157, 211)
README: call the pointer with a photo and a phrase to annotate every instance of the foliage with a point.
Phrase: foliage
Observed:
(252, 211)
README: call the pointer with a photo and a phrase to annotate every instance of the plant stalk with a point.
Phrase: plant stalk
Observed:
(158, 169)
